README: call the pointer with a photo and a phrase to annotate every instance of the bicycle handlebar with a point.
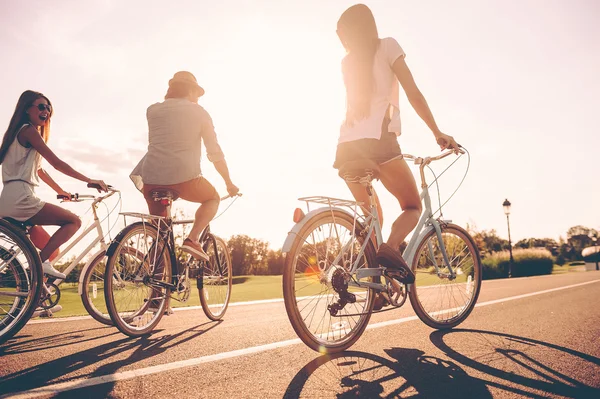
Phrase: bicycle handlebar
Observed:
(231, 196)
(76, 197)
(427, 160)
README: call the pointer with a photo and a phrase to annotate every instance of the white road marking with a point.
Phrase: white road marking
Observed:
(126, 375)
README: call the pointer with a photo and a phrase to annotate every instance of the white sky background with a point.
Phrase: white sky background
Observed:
(516, 82)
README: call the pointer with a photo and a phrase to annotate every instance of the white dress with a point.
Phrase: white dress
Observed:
(19, 176)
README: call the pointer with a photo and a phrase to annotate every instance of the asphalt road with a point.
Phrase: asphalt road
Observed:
(528, 337)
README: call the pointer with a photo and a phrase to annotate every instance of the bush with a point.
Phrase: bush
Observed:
(527, 262)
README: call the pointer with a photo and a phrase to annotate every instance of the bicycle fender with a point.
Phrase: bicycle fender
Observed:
(287, 245)
(113, 245)
(84, 270)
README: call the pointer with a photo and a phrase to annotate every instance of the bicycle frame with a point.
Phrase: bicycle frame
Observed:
(426, 223)
(166, 236)
(96, 225)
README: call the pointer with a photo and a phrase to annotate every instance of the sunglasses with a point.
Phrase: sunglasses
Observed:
(43, 107)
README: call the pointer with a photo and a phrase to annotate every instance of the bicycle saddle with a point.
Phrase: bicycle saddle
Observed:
(17, 223)
(164, 193)
(359, 169)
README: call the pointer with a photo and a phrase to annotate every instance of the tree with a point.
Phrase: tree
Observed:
(548, 243)
(487, 241)
(578, 237)
(275, 262)
(248, 255)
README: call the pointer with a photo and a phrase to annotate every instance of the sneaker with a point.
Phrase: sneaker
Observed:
(391, 259)
(380, 302)
(194, 249)
(51, 271)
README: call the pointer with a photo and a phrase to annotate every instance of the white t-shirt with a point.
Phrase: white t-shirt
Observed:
(386, 92)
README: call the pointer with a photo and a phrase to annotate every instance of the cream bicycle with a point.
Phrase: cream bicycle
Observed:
(331, 278)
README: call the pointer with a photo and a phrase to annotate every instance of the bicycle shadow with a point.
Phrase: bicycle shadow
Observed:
(406, 372)
(528, 363)
(144, 348)
(17, 345)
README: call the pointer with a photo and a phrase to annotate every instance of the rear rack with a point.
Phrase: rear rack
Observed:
(330, 201)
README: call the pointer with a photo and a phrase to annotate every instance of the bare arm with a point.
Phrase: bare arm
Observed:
(419, 104)
(214, 153)
(221, 167)
(33, 138)
(49, 181)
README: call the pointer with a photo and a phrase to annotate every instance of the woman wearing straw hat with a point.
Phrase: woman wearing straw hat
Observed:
(177, 127)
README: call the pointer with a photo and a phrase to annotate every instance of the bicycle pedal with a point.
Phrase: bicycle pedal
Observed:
(47, 312)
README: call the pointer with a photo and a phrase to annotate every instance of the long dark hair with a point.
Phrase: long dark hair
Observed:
(357, 30)
(20, 117)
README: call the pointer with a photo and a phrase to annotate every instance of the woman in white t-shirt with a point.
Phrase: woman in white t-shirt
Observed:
(372, 69)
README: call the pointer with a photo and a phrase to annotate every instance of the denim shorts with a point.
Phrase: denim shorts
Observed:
(380, 151)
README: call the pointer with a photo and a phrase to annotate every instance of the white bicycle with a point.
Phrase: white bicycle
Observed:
(23, 291)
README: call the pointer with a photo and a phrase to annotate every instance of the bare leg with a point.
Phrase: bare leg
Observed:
(398, 179)
(56, 216)
(359, 192)
(205, 213)
(40, 237)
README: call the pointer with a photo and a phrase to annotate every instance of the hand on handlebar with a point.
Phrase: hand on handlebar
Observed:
(232, 190)
(63, 195)
(98, 185)
(447, 142)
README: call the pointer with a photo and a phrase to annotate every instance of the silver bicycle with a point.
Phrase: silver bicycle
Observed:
(331, 278)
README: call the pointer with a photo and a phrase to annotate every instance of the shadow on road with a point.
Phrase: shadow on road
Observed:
(20, 343)
(529, 364)
(407, 372)
(136, 349)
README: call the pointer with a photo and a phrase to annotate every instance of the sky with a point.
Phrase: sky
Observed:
(514, 81)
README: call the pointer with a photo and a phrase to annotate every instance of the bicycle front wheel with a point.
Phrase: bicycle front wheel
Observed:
(20, 280)
(320, 261)
(444, 298)
(92, 290)
(135, 279)
(216, 280)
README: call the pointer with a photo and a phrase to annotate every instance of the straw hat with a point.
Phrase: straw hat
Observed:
(187, 78)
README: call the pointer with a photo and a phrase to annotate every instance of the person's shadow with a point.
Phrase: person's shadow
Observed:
(364, 375)
(143, 348)
(530, 364)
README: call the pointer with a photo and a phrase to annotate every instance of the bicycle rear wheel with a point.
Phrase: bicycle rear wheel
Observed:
(324, 251)
(20, 280)
(92, 290)
(135, 278)
(216, 280)
(440, 300)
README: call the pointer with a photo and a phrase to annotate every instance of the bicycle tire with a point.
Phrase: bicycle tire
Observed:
(334, 339)
(29, 276)
(467, 267)
(214, 280)
(132, 319)
(94, 305)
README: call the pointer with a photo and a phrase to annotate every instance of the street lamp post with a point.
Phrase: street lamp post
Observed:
(506, 204)
(594, 237)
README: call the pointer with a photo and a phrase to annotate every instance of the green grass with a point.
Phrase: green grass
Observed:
(556, 269)
(245, 288)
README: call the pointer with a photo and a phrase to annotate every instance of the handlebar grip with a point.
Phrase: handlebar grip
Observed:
(73, 197)
(97, 186)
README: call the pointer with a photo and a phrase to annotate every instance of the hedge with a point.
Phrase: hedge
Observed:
(527, 262)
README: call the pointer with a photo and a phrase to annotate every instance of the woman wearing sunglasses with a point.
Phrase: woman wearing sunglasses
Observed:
(23, 146)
